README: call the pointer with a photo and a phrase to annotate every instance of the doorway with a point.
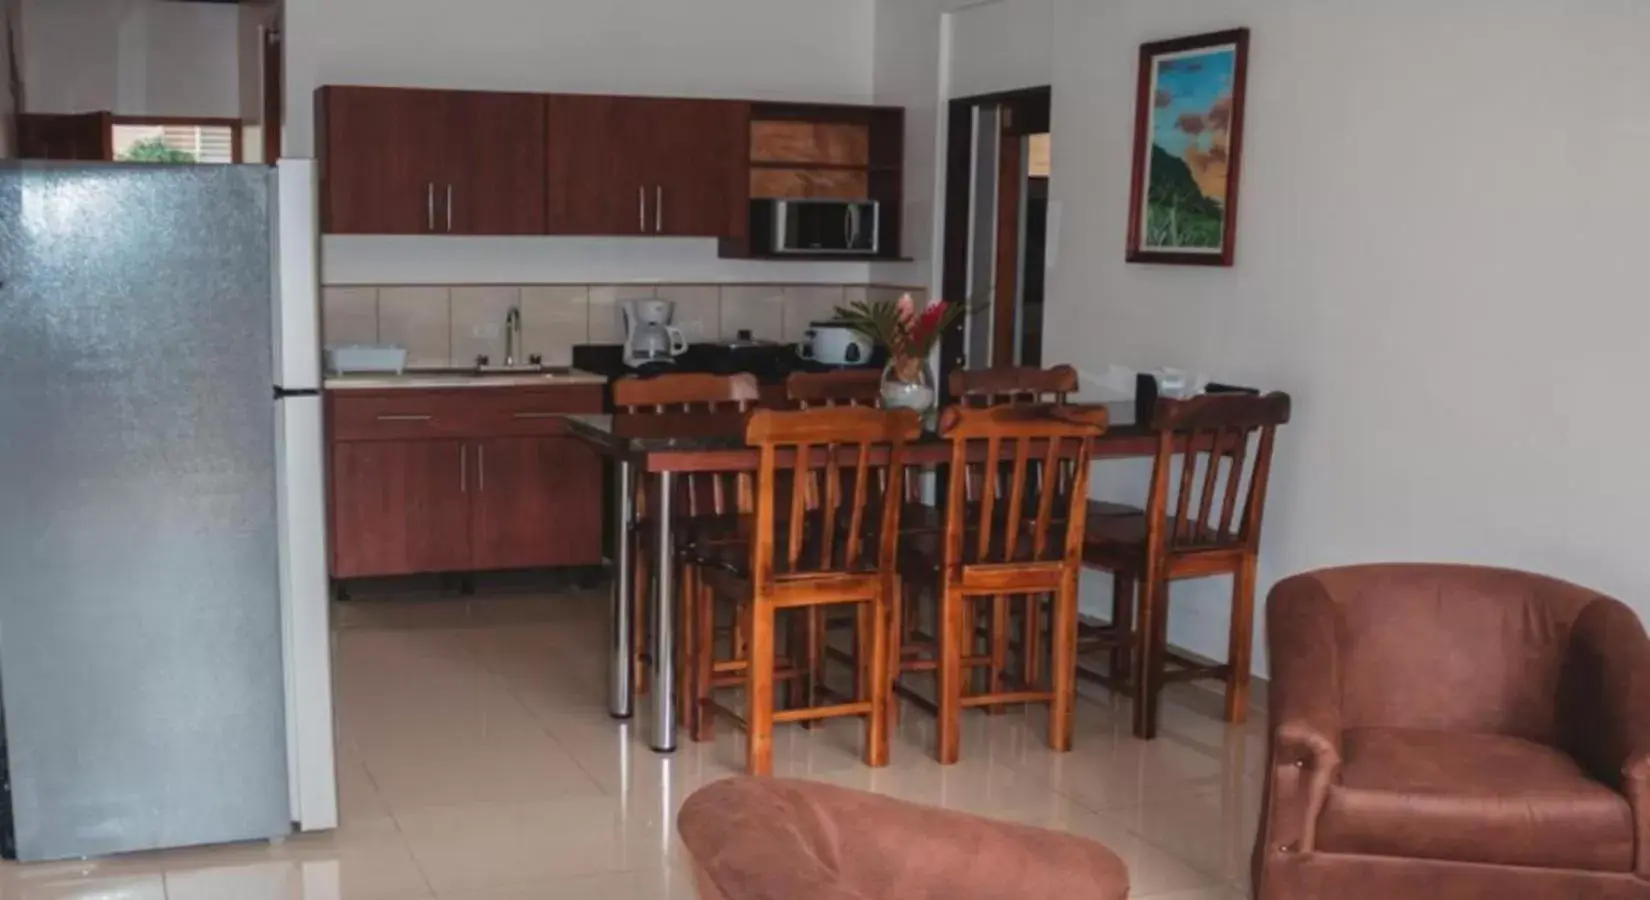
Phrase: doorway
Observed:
(996, 227)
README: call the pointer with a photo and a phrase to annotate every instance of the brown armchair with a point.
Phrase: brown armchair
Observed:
(1454, 732)
(780, 839)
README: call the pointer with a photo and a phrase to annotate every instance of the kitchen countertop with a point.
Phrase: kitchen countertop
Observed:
(555, 377)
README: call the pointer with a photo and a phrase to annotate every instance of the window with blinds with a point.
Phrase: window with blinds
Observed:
(174, 143)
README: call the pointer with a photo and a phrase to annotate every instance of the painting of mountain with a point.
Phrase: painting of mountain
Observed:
(1191, 97)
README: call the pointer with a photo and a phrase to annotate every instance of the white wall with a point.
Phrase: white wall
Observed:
(760, 49)
(769, 49)
(1436, 256)
(1002, 45)
(132, 57)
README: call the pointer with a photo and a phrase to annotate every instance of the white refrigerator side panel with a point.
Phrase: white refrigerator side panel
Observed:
(297, 293)
(301, 523)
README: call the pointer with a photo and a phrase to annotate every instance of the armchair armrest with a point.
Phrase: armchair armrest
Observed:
(1302, 633)
(1302, 625)
(1604, 713)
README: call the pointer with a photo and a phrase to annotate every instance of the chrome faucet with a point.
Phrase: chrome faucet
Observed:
(512, 335)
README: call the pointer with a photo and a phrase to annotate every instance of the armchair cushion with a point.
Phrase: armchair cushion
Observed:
(778, 839)
(1468, 797)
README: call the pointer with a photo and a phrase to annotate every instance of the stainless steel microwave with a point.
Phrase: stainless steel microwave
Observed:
(816, 226)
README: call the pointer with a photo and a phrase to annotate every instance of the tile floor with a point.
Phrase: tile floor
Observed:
(477, 762)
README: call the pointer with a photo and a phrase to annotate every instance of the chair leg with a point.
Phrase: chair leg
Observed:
(956, 634)
(860, 645)
(996, 682)
(1031, 644)
(1063, 665)
(1122, 619)
(687, 666)
(797, 690)
(1154, 633)
(896, 645)
(817, 634)
(702, 626)
(877, 681)
(759, 688)
(1240, 641)
(641, 588)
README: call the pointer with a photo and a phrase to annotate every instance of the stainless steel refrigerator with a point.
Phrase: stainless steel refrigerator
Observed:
(160, 497)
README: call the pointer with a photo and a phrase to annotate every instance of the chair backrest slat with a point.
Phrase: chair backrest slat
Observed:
(1210, 436)
(1037, 438)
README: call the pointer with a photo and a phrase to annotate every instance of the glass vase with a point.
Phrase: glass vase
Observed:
(908, 383)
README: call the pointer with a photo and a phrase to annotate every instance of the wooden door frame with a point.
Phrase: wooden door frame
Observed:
(1029, 110)
(274, 101)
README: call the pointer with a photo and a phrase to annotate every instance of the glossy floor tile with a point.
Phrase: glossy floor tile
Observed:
(477, 762)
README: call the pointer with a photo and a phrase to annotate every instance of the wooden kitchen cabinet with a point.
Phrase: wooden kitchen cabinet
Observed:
(399, 507)
(494, 163)
(700, 183)
(638, 166)
(381, 164)
(406, 161)
(514, 527)
(462, 480)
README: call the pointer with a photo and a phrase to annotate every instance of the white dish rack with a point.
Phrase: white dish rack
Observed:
(366, 359)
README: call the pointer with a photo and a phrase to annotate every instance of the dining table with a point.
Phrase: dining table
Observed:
(665, 446)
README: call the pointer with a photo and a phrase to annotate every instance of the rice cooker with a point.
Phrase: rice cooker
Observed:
(834, 344)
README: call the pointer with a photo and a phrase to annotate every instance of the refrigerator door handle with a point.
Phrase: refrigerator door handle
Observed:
(481, 468)
(463, 468)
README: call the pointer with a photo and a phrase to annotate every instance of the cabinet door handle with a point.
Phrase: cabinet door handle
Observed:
(641, 209)
(658, 209)
(538, 415)
(429, 206)
(404, 418)
(463, 468)
(481, 467)
(449, 209)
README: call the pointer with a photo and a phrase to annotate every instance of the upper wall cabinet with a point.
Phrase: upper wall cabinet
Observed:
(402, 161)
(405, 161)
(637, 166)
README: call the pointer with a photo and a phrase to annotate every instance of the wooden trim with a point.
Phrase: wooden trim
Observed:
(1006, 288)
(274, 99)
(1142, 147)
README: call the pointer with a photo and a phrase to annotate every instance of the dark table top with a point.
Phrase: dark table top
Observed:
(716, 441)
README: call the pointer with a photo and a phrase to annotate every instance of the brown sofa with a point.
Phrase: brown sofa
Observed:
(779, 839)
(1454, 732)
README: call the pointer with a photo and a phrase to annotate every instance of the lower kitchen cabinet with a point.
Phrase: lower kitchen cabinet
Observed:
(460, 481)
(515, 528)
(399, 507)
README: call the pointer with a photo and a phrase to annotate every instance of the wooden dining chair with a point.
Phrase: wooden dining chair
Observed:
(1016, 385)
(841, 552)
(1014, 537)
(698, 495)
(1203, 461)
(1012, 384)
(845, 387)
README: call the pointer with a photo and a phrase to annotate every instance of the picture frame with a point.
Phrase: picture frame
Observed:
(1188, 149)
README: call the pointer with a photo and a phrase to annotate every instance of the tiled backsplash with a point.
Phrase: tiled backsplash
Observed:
(443, 326)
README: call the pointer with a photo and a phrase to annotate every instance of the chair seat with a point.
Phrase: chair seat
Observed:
(1480, 798)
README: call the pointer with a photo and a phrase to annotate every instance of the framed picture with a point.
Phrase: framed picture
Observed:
(1188, 142)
